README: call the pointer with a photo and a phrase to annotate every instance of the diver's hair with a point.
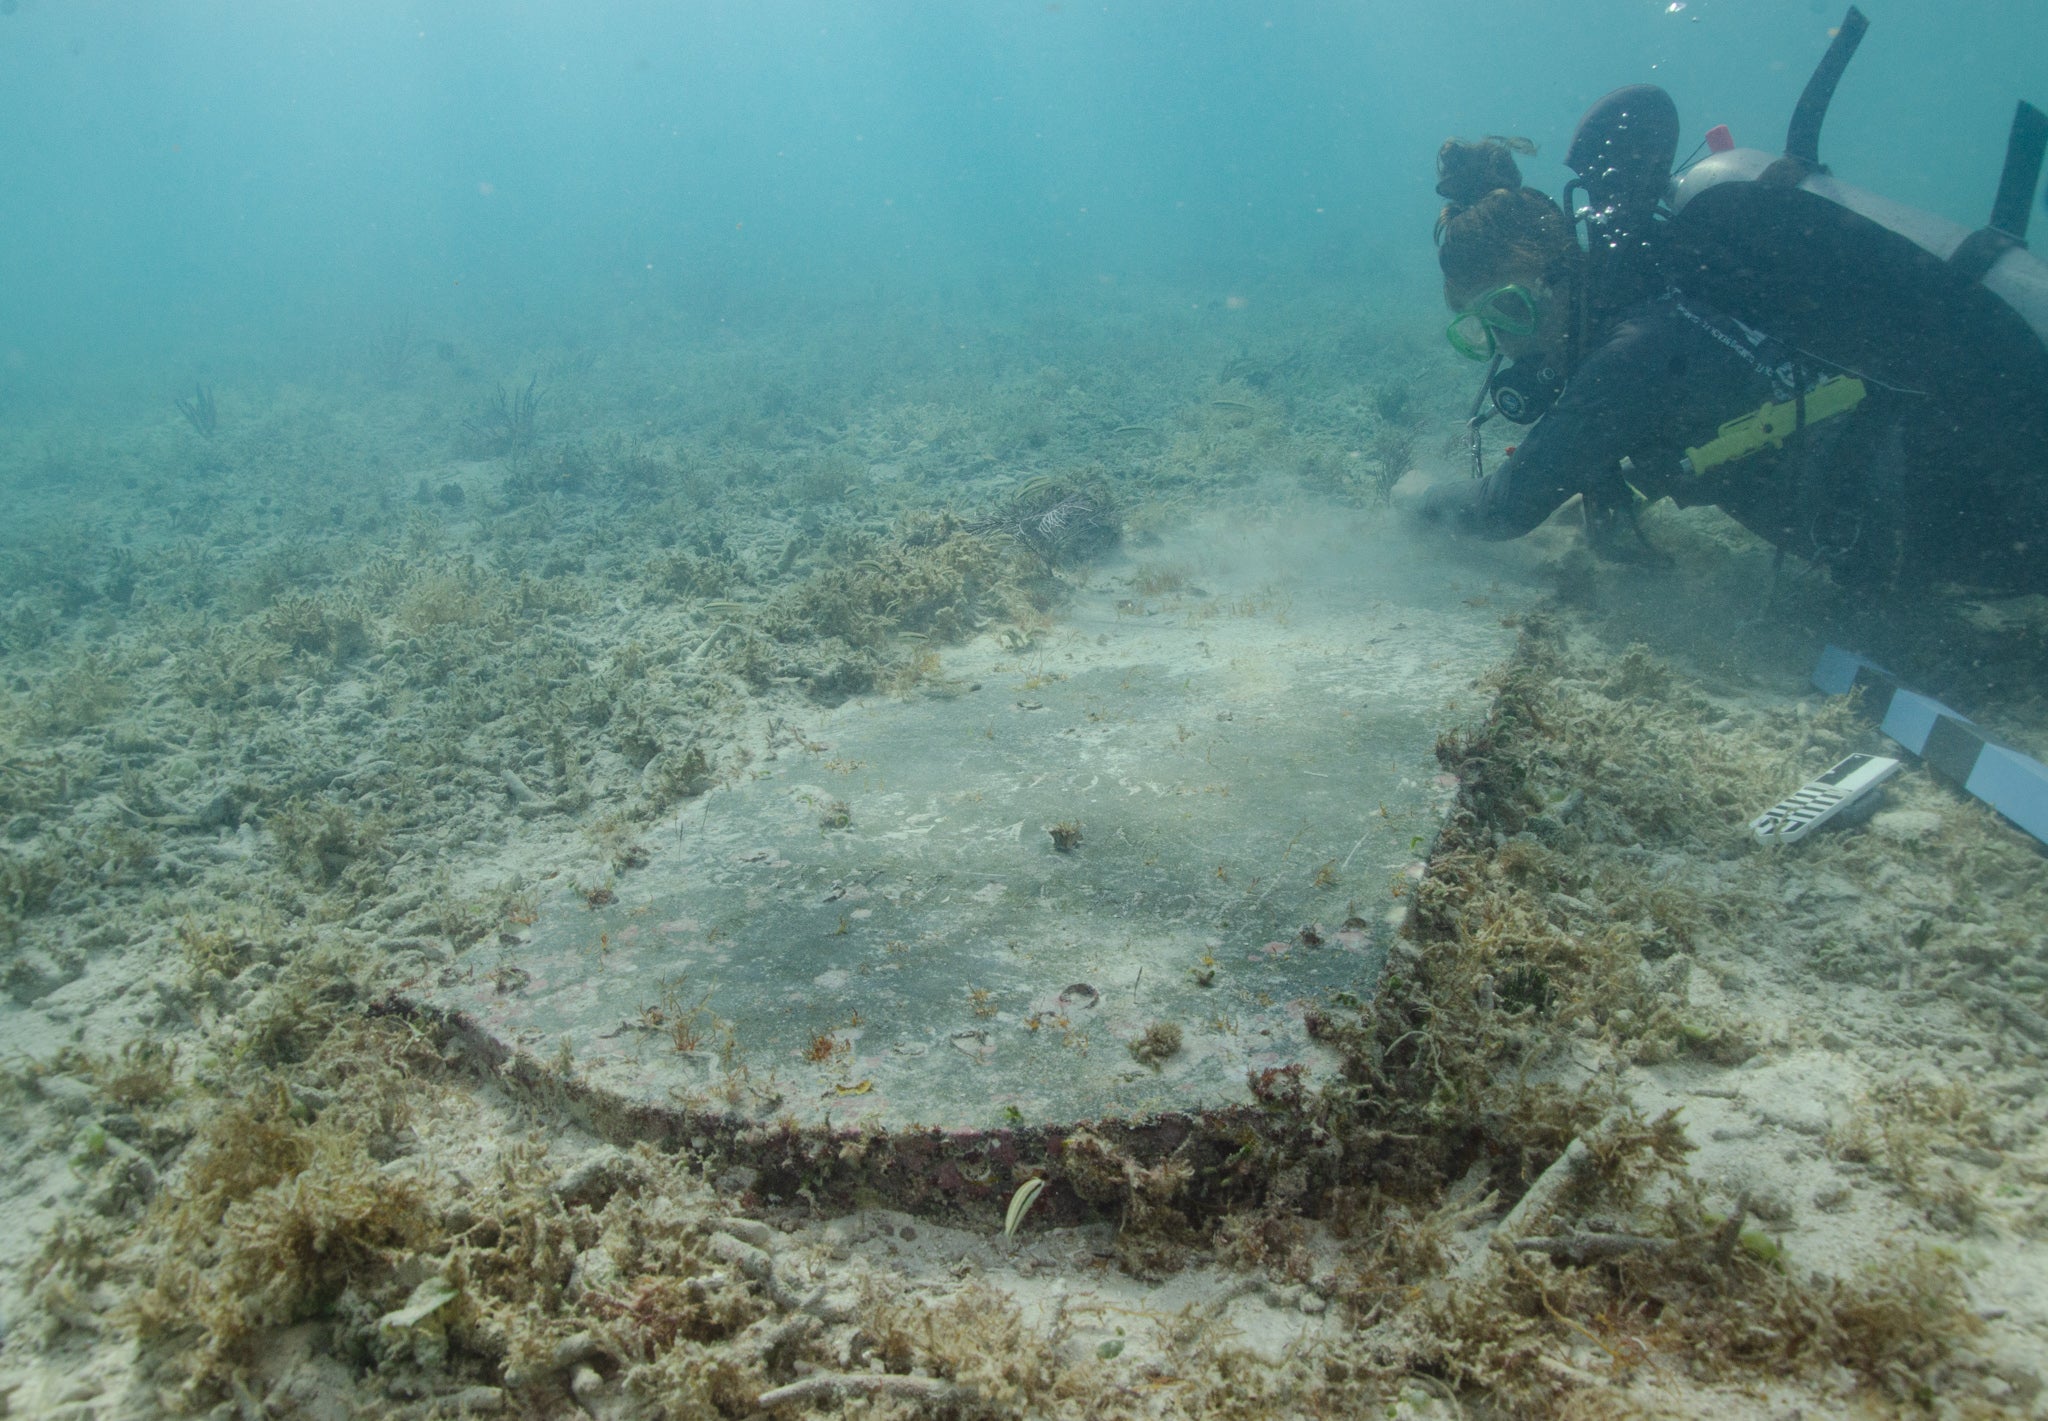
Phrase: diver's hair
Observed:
(1491, 226)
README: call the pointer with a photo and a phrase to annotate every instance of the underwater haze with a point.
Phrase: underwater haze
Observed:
(183, 181)
(746, 708)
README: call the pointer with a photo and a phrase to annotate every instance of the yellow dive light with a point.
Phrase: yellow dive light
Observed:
(1771, 425)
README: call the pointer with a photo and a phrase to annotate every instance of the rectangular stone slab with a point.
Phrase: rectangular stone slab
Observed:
(882, 931)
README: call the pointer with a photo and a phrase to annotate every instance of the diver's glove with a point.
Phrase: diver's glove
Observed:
(1448, 504)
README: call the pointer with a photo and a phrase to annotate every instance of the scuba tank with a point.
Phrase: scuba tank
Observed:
(1855, 283)
(1859, 282)
(1622, 151)
(1947, 325)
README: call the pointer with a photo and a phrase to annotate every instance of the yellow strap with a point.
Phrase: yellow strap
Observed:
(1772, 424)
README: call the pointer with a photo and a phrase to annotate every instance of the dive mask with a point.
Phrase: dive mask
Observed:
(1505, 310)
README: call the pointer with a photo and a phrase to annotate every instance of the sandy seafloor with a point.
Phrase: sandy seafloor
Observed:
(320, 699)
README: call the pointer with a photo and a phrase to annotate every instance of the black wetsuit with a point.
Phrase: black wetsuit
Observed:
(1890, 492)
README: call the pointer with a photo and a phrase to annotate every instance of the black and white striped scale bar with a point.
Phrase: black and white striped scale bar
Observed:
(1947, 741)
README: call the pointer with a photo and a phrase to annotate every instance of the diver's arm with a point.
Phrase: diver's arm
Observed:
(1612, 404)
(1507, 503)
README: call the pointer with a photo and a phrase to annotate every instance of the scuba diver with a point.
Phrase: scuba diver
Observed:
(1863, 386)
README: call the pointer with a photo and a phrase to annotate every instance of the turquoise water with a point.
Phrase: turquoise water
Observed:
(202, 182)
(534, 511)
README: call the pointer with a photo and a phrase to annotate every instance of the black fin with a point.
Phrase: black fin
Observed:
(1977, 253)
(2024, 151)
(1802, 139)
